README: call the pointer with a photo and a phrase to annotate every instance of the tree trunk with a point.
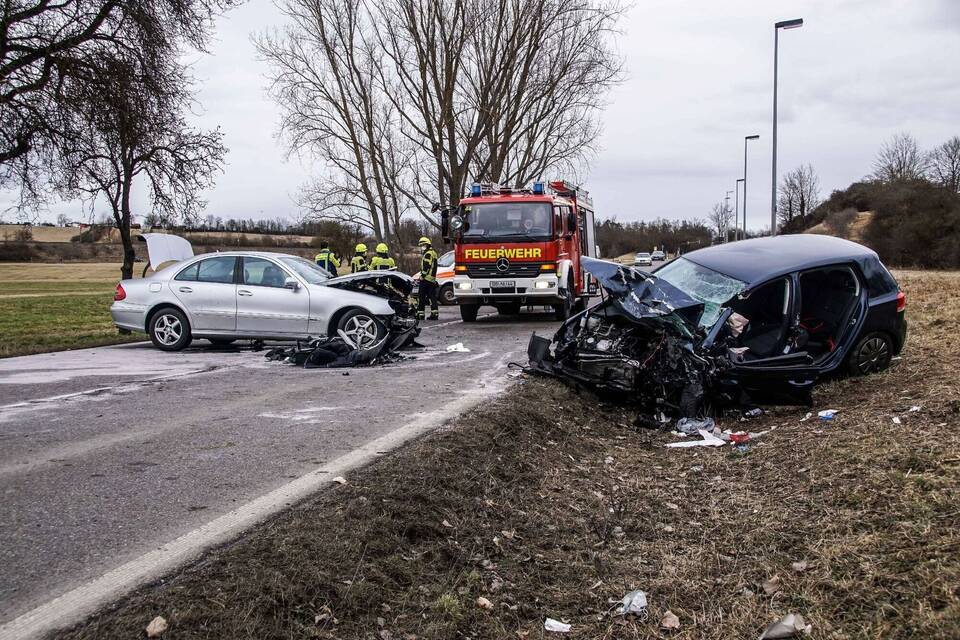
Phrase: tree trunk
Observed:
(123, 225)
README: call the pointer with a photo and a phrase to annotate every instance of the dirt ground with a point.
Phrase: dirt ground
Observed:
(548, 504)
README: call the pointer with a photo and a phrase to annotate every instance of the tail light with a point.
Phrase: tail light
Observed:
(119, 294)
(901, 301)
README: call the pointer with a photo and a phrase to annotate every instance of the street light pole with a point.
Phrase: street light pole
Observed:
(726, 212)
(736, 205)
(785, 24)
(746, 139)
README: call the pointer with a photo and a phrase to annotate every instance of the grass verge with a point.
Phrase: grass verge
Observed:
(548, 504)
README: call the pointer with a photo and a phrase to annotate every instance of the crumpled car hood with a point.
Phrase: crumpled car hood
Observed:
(400, 281)
(643, 296)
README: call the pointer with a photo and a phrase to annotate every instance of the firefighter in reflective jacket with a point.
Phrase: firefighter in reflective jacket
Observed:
(359, 261)
(382, 259)
(326, 259)
(428, 280)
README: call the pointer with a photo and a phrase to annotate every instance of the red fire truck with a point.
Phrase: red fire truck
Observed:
(519, 247)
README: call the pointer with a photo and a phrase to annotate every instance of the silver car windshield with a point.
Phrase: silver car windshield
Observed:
(706, 285)
(306, 269)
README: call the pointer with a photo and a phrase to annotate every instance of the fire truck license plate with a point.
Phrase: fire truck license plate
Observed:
(503, 284)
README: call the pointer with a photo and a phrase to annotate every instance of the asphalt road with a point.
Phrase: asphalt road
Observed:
(107, 453)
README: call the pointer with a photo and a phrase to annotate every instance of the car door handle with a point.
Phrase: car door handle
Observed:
(186, 290)
(244, 292)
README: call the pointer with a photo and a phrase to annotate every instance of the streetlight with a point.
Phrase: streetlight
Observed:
(785, 24)
(736, 205)
(746, 139)
(726, 212)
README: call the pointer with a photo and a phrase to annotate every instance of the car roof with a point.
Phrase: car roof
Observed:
(759, 259)
(255, 254)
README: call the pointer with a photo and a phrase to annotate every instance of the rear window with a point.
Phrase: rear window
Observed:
(879, 281)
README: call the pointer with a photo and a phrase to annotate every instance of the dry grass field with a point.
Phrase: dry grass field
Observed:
(549, 504)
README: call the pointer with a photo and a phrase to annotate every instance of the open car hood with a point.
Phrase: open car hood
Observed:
(165, 247)
(643, 296)
(399, 281)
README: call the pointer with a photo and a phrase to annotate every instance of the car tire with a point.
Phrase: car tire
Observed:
(221, 342)
(362, 327)
(564, 310)
(169, 329)
(872, 353)
(447, 296)
(468, 312)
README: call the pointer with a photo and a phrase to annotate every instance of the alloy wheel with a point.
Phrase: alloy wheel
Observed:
(362, 331)
(168, 329)
(872, 355)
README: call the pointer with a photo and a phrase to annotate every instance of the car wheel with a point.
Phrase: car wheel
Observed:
(446, 295)
(169, 330)
(468, 312)
(361, 328)
(871, 354)
(565, 309)
(221, 342)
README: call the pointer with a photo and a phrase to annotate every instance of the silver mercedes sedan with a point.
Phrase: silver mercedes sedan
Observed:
(255, 295)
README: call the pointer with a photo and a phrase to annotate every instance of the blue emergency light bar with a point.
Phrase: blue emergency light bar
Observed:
(475, 189)
(539, 188)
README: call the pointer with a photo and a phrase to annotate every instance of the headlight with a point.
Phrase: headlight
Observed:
(456, 223)
(464, 285)
(544, 284)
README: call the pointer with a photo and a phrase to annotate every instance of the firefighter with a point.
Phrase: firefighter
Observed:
(326, 259)
(382, 259)
(428, 280)
(359, 261)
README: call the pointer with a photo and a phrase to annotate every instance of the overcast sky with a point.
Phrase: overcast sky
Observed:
(699, 80)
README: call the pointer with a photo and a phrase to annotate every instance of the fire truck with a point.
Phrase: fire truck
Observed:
(522, 247)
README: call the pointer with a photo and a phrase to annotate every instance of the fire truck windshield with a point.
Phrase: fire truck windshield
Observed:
(500, 220)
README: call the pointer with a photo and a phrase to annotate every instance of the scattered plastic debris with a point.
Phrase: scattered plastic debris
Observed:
(739, 437)
(483, 603)
(756, 412)
(556, 626)
(913, 408)
(896, 420)
(457, 348)
(789, 626)
(156, 627)
(690, 426)
(827, 414)
(339, 480)
(634, 603)
(709, 440)
(800, 566)
(771, 586)
(806, 417)
(670, 621)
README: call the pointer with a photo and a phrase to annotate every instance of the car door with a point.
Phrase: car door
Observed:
(264, 306)
(208, 291)
(781, 374)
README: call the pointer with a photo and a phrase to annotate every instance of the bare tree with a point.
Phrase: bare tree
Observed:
(404, 101)
(137, 131)
(799, 194)
(720, 219)
(944, 164)
(49, 48)
(899, 159)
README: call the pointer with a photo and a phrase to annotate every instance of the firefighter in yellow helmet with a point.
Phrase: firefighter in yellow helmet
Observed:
(326, 259)
(359, 260)
(382, 259)
(428, 280)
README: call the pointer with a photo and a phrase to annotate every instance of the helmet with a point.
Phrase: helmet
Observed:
(382, 247)
(361, 248)
(424, 240)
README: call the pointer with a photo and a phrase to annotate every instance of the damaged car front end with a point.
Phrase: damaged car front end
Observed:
(642, 343)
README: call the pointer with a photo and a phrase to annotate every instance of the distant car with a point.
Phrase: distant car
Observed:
(658, 256)
(444, 279)
(257, 295)
(643, 260)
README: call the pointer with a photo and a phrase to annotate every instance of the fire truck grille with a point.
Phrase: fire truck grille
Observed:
(515, 270)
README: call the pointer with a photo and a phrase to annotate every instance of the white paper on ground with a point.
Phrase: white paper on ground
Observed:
(709, 440)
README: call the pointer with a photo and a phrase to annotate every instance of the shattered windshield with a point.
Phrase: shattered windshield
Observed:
(706, 285)
(503, 219)
(306, 269)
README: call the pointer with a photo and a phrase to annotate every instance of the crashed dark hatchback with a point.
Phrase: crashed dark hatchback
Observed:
(733, 325)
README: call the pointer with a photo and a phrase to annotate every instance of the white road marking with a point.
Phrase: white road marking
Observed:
(87, 598)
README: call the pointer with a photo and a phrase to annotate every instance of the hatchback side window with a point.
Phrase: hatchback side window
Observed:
(217, 269)
(258, 272)
(189, 274)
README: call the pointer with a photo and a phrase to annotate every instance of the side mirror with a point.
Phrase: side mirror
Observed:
(291, 283)
(571, 222)
(444, 223)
